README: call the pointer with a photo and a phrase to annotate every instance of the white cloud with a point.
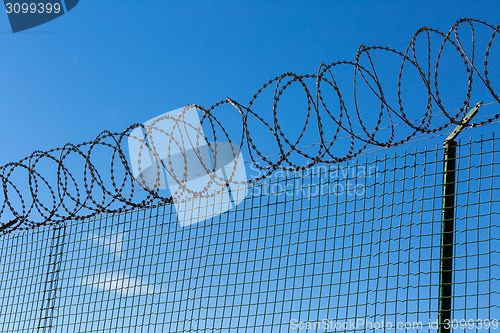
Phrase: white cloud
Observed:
(120, 283)
(113, 243)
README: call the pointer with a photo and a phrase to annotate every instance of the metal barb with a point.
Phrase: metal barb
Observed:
(9, 224)
(465, 122)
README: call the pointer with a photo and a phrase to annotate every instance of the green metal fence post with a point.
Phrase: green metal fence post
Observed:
(447, 230)
(447, 225)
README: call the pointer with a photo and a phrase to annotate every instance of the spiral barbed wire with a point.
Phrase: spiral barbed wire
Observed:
(82, 189)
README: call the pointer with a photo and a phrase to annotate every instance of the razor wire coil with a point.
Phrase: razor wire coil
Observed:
(68, 197)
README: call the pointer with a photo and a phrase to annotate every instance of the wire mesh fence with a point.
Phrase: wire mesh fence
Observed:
(353, 246)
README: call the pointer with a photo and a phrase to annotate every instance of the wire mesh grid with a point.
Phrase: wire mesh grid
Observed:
(347, 247)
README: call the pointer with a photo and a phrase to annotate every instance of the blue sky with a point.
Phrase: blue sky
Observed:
(108, 64)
